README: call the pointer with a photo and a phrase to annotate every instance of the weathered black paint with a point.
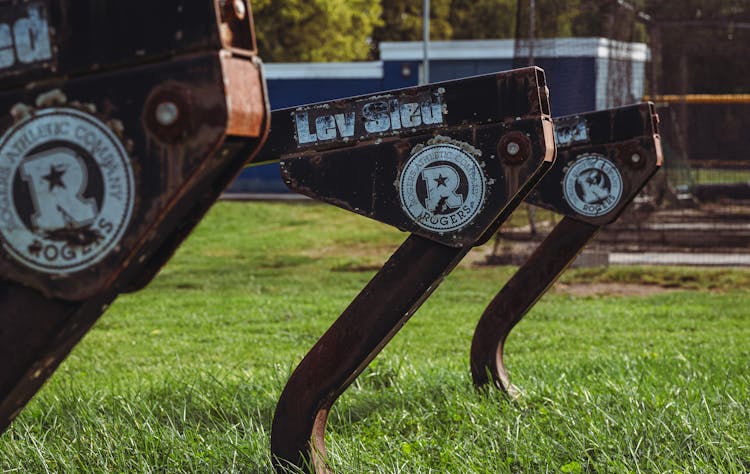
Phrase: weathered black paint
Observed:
(489, 99)
(185, 53)
(617, 134)
(359, 174)
(100, 35)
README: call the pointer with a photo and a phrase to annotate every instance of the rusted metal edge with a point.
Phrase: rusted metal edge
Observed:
(245, 94)
(558, 250)
(236, 137)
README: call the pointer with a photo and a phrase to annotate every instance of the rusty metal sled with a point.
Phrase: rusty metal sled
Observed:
(113, 146)
(605, 159)
(447, 163)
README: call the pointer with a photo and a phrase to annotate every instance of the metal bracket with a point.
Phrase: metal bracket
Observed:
(604, 160)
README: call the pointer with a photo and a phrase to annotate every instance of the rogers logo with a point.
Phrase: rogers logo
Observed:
(24, 38)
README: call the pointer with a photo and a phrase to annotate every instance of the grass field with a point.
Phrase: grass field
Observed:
(184, 376)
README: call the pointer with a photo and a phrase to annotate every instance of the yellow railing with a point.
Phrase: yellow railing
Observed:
(700, 98)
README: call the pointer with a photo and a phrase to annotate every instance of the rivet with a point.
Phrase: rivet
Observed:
(167, 113)
(513, 148)
(239, 9)
(635, 158)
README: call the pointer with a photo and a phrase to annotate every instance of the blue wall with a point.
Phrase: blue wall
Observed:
(447, 70)
(572, 84)
(292, 92)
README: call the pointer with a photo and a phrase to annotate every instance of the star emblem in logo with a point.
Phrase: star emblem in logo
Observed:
(440, 180)
(54, 177)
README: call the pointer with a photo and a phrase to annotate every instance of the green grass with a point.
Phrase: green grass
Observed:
(184, 376)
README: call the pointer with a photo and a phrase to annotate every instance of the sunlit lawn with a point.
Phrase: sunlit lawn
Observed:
(184, 376)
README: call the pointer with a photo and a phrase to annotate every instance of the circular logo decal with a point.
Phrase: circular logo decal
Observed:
(593, 185)
(442, 187)
(66, 191)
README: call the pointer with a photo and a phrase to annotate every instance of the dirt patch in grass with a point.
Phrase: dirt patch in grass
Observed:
(371, 257)
(609, 289)
(352, 250)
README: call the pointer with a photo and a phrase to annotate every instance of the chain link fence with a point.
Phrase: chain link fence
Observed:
(698, 205)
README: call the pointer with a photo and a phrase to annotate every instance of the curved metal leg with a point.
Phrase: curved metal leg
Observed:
(351, 343)
(622, 141)
(37, 334)
(518, 295)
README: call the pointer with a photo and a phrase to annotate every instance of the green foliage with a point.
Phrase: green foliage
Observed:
(483, 19)
(184, 376)
(402, 20)
(554, 18)
(330, 30)
(334, 30)
(315, 30)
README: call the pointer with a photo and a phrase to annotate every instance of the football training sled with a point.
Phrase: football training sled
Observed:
(450, 181)
(112, 150)
(604, 159)
(113, 147)
(448, 163)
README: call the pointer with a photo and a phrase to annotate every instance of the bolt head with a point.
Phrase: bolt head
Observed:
(167, 113)
(513, 148)
(240, 10)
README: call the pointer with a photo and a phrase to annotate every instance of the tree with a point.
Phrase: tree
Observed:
(402, 20)
(315, 30)
(483, 19)
(475, 19)
(552, 18)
